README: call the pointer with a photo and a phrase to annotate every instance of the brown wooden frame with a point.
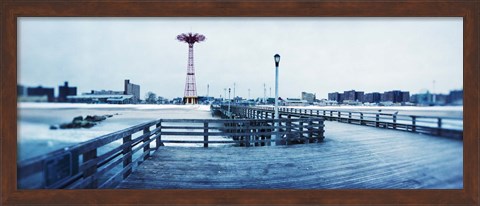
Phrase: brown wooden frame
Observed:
(10, 10)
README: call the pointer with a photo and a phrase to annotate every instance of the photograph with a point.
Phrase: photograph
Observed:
(303, 103)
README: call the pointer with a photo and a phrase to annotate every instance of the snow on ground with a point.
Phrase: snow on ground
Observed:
(34, 120)
(33, 105)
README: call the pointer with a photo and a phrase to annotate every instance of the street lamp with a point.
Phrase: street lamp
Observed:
(224, 94)
(277, 61)
(229, 100)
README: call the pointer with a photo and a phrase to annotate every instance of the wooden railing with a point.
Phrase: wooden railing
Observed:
(97, 163)
(433, 125)
(104, 161)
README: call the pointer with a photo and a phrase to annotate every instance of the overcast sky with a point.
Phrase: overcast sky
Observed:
(318, 55)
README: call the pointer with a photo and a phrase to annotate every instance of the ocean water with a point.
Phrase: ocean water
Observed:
(34, 120)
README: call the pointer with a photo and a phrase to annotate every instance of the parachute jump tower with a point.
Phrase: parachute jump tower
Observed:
(190, 94)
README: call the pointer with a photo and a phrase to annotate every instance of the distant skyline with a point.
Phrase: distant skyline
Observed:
(318, 55)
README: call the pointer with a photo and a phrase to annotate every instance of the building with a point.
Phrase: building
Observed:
(422, 98)
(359, 96)
(21, 91)
(441, 99)
(205, 99)
(335, 96)
(309, 97)
(455, 97)
(105, 92)
(270, 100)
(349, 95)
(395, 96)
(41, 91)
(295, 102)
(374, 97)
(387, 97)
(132, 89)
(355, 97)
(405, 96)
(101, 98)
(64, 91)
(107, 96)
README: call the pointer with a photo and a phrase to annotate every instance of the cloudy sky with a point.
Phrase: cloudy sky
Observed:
(318, 55)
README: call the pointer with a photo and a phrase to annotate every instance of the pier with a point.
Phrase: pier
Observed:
(343, 152)
(432, 125)
(105, 161)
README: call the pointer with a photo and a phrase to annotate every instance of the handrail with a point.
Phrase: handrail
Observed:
(358, 112)
(82, 164)
(102, 162)
(434, 125)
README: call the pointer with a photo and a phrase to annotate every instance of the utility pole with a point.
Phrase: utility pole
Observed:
(224, 93)
(264, 94)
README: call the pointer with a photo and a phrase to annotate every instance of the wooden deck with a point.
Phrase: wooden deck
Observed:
(351, 156)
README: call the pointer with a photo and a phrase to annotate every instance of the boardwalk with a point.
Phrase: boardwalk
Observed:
(351, 156)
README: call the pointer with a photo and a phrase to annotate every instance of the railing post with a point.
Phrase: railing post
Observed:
(247, 134)
(300, 128)
(127, 158)
(439, 124)
(377, 119)
(349, 117)
(90, 155)
(319, 131)
(394, 116)
(414, 128)
(311, 112)
(361, 118)
(146, 148)
(310, 131)
(289, 129)
(205, 134)
(159, 136)
(318, 113)
(339, 114)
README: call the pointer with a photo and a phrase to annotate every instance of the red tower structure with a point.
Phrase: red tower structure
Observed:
(190, 94)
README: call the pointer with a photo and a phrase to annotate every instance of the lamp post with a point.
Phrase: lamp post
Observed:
(264, 94)
(277, 61)
(229, 100)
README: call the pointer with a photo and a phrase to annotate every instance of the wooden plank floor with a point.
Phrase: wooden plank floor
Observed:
(351, 156)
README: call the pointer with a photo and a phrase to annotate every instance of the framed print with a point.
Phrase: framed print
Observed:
(283, 102)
